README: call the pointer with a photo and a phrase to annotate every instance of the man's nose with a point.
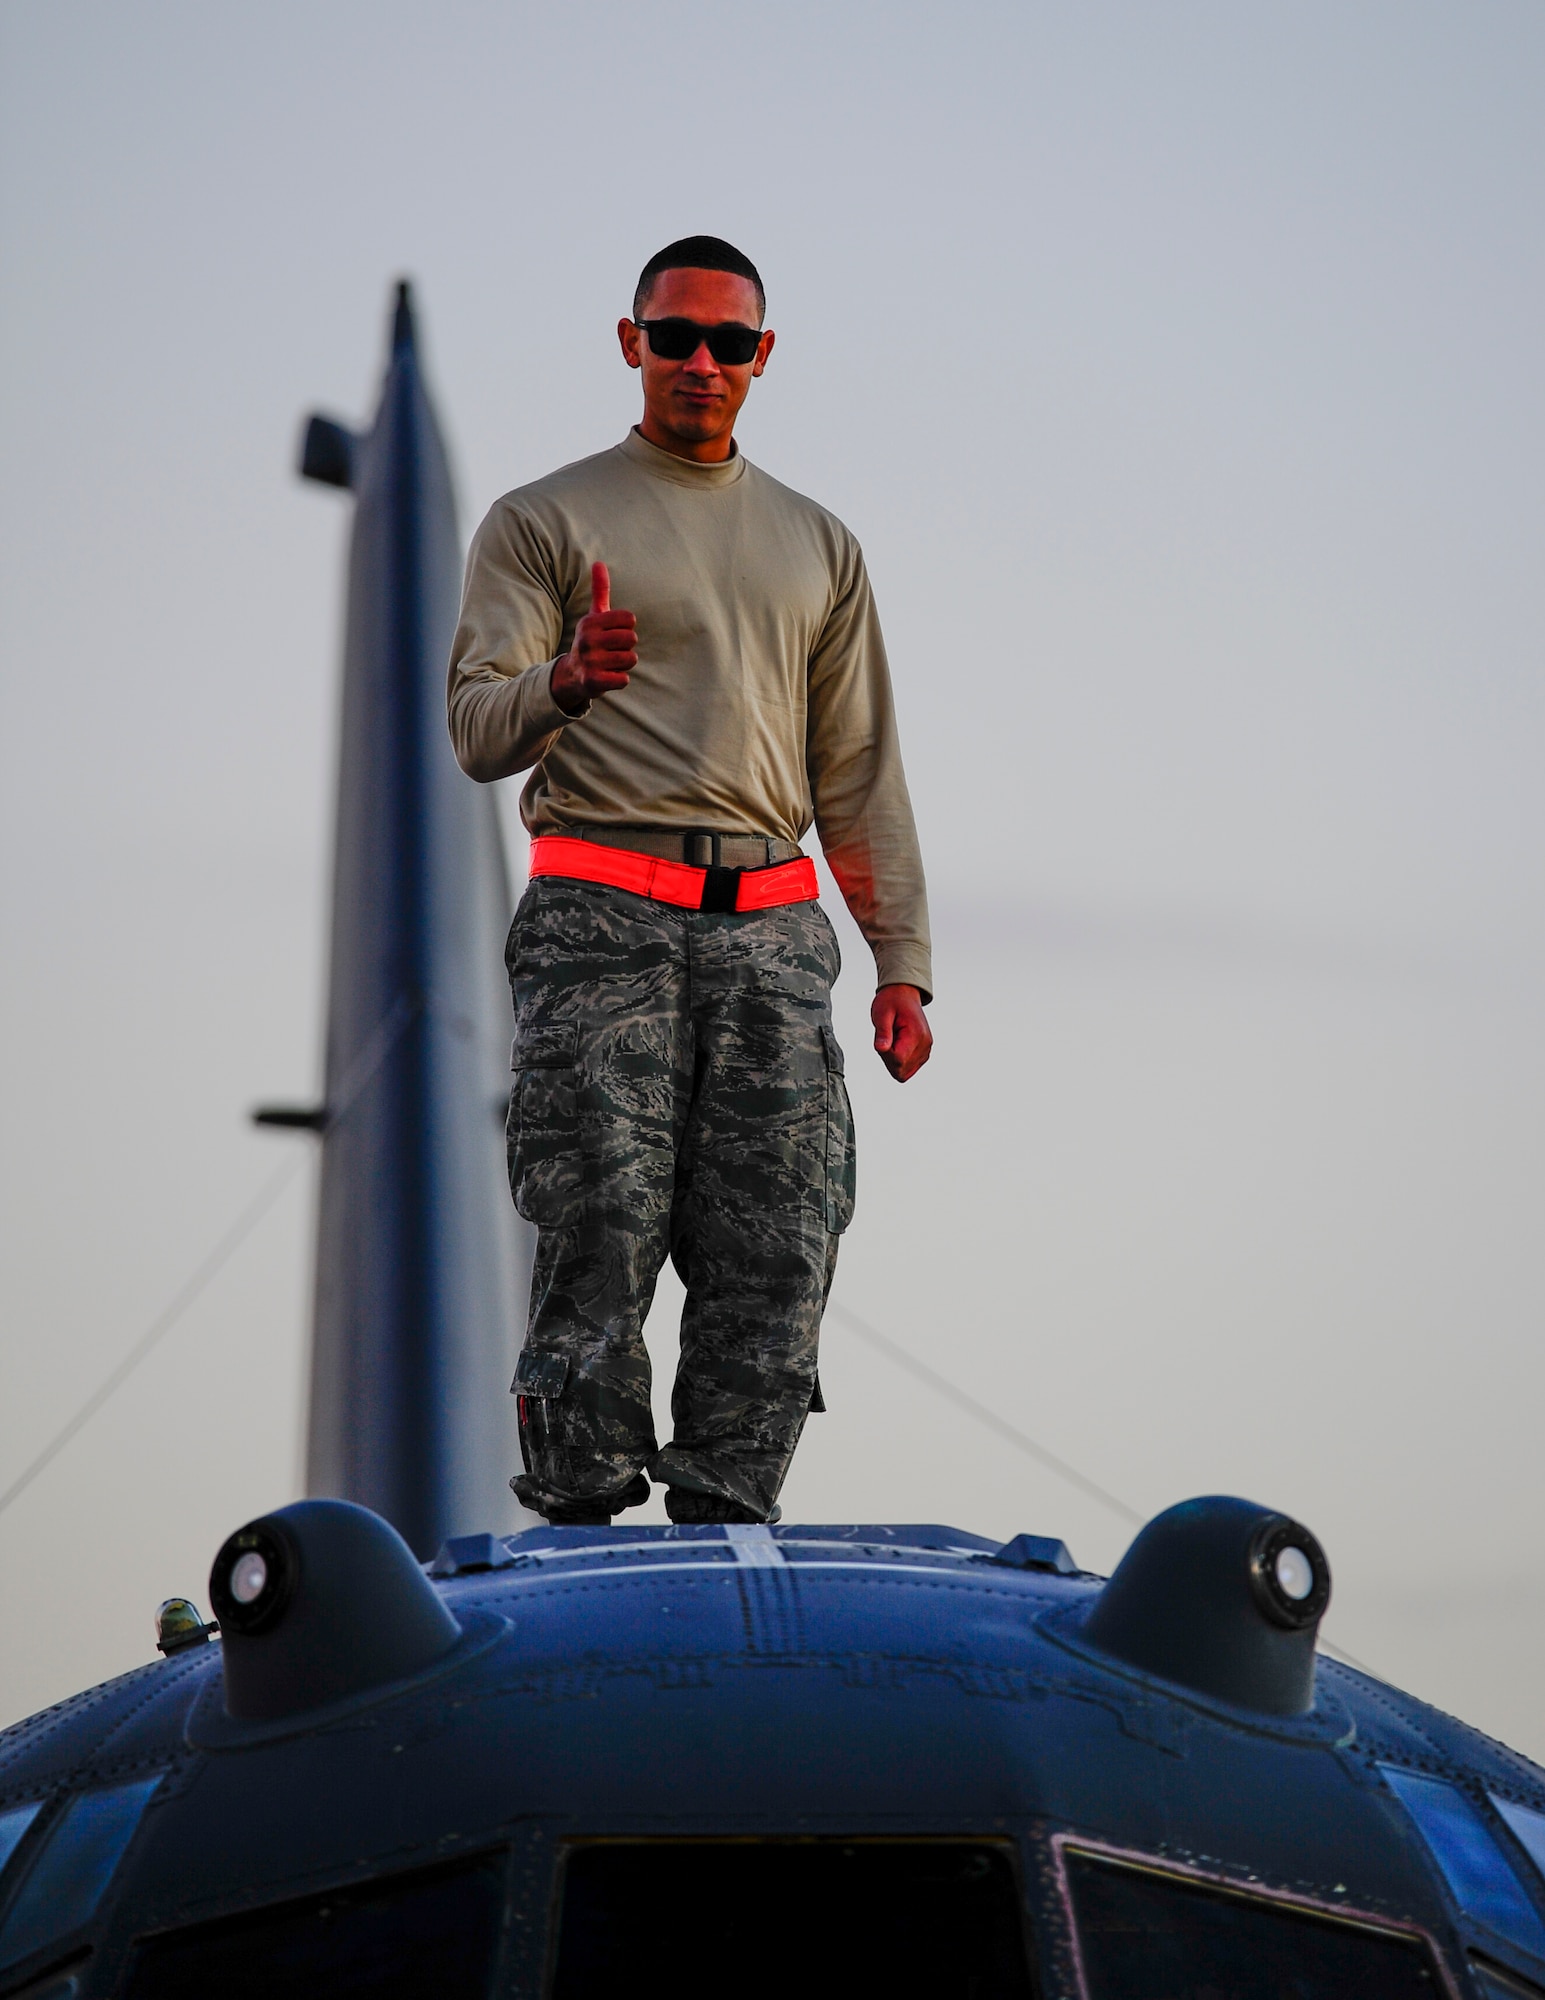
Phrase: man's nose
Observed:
(701, 362)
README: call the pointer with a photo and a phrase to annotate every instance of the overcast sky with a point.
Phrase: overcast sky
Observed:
(1179, 367)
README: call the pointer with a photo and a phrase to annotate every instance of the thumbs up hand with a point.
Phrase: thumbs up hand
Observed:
(604, 652)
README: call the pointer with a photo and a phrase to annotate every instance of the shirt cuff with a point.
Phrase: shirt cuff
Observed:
(545, 713)
(905, 965)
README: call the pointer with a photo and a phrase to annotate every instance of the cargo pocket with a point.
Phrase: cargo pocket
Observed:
(841, 1151)
(542, 1136)
(539, 1382)
(540, 1376)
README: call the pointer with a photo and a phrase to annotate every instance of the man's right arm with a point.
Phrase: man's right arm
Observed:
(500, 699)
(602, 653)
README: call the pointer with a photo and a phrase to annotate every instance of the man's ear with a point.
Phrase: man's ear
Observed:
(764, 348)
(630, 337)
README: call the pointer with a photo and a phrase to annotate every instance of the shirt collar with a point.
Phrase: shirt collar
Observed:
(682, 471)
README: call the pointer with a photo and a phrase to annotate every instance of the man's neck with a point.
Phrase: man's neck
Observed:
(697, 451)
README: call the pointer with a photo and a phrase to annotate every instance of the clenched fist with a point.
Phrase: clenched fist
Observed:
(903, 1039)
(604, 652)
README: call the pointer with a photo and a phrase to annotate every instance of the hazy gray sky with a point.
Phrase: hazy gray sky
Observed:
(1179, 367)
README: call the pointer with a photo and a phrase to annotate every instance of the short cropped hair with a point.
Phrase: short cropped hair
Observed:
(699, 253)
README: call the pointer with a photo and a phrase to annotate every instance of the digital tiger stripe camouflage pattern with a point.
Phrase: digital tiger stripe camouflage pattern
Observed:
(677, 1090)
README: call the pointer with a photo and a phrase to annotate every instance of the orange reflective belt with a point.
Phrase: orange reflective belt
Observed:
(725, 889)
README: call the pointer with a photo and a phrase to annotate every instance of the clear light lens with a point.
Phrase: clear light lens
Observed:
(1295, 1574)
(251, 1574)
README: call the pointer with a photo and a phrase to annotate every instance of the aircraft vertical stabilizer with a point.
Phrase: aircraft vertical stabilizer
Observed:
(421, 1261)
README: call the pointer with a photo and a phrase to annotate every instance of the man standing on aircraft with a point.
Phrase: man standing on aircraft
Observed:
(678, 1088)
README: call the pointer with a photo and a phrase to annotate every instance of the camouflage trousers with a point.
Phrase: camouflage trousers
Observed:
(677, 1091)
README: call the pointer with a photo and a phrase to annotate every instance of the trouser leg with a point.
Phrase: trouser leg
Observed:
(764, 1187)
(600, 1094)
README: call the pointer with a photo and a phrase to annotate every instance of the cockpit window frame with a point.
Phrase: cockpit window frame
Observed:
(1349, 1917)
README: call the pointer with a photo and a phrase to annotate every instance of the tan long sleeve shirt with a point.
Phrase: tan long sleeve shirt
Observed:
(761, 702)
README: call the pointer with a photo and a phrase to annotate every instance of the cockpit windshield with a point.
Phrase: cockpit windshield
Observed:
(764, 1917)
(1149, 1936)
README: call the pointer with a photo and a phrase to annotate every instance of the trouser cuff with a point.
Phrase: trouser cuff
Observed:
(541, 1499)
(695, 1472)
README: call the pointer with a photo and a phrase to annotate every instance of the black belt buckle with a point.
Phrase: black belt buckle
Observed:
(721, 886)
(721, 889)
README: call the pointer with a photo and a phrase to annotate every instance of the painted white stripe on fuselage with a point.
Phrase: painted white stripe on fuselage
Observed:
(624, 1570)
(754, 1545)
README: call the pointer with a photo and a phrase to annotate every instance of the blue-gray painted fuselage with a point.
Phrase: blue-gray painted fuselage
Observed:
(808, 1759)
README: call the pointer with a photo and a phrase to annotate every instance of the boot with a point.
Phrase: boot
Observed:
(686, 1509)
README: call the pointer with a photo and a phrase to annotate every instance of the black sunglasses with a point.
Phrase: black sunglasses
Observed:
(731, 345)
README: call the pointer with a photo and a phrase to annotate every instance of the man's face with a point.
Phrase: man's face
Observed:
(694, 403)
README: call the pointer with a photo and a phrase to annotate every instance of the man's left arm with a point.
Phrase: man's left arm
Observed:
(864, 815)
